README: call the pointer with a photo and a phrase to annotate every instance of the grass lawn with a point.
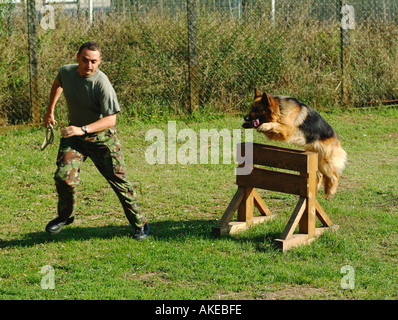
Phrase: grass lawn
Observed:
(95, 258)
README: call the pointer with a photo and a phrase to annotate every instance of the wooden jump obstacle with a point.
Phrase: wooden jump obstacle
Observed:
(303, 184)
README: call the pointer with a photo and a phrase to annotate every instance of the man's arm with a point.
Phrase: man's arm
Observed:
(56, 91)
(99, 125)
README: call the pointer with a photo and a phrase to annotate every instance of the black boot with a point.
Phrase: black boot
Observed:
(142, 232)
(56, 225)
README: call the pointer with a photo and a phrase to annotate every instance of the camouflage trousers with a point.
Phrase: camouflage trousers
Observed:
(103, 148)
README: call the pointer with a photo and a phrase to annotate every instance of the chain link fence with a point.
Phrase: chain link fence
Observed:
(181, 56)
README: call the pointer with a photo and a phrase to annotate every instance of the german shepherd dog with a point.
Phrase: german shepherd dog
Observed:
(284, 118)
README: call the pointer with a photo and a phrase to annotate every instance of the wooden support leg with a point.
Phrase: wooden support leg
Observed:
(307, 222)
(260, 204)
(243, 201)
(295, 218)
(307, 231)
(246, 210)
(222, 227)
(246, 207)
(321, 214)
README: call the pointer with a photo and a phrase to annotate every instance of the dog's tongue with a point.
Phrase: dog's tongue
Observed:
(256, 123)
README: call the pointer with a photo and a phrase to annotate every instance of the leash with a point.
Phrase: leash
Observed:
(49, 137)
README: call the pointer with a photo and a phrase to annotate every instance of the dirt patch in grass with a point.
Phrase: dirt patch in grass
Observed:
(299, 292)
(287, 293)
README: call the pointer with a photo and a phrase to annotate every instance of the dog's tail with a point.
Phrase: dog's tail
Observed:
(331, 152)
(332, 160)
(339, 158)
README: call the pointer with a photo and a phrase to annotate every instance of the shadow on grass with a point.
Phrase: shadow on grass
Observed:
(160, 231)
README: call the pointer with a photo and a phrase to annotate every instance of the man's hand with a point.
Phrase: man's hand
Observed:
(56, 91)
(49, 118)
(71, 131)
(97, 126)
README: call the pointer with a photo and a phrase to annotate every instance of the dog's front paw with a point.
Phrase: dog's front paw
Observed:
(265, 127)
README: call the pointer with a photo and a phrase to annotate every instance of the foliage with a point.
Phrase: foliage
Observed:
(146, 59)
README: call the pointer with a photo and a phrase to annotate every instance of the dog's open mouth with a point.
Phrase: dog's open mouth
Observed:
(251, 124)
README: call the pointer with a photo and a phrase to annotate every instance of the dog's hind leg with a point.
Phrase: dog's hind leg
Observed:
(319, 179)
(330, 177)
(330, 185)
(331, 165)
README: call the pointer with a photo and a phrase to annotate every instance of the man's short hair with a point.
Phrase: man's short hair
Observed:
(90, 45)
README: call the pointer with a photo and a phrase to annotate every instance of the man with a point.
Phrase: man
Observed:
(92, 109)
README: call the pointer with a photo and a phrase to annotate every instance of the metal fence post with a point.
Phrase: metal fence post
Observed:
(273, 11)
(192, 57)
(33, 73)
(345, 54)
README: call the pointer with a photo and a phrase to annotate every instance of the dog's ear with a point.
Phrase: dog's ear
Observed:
(265, 99)
(257, 93)
(270, 103)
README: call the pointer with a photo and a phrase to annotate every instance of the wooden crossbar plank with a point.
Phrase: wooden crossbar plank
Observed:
(295, 218)
(282, 158)
(268, 146)
(274, 181)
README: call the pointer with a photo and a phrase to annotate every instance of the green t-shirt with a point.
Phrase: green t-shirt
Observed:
(88, 98)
